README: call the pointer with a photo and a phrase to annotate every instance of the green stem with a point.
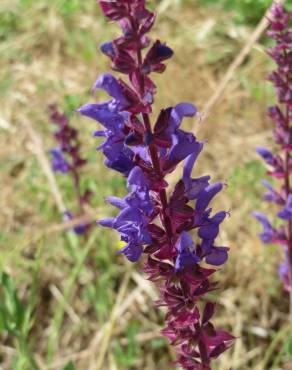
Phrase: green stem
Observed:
(279, 337)
(25, 351)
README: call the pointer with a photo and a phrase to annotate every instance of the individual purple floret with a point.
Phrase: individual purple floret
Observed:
(59, 162)
(272, 195)
(175, 230)
(284, 271)
(66, 159)
(286, 212)
(280, 164)
(79, 229)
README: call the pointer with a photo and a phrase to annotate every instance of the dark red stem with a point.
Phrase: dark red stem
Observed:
(289, 231)
(76, 182)
(152, 148)
(162, 194)
(287, 191)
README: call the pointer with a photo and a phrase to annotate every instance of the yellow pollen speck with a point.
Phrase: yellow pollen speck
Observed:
(121, 244)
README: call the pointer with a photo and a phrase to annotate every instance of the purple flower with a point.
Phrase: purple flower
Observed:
(194, 186)
(275, 162)
(186, 252)
(183, 145)
(268, 233)
(266, 155)
(286, 213)
(118, 157)
(110, 84)
(217, 256)
(180, 111)
(272, 195)
(106, 115)
(117, 202)
(108, 48)
(132, 251)
(59, 163)
(206, 195)
(137, 179)
(208, 232)
(131, 224)
(210, 228)
(79, 229)
(170, 120)
(284, 271)
(67, 160)
(112, 116)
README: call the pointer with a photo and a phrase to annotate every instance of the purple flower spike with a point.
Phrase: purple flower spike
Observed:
(149, 221)
(66, 159)
(280, 164)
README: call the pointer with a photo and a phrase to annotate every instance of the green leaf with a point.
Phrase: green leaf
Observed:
(69, 366)
(288, 347)
(14, 308)
(2, 320)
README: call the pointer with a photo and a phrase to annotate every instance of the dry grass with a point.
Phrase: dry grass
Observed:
(51, 59)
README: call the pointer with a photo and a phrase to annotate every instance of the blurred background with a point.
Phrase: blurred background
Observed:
(71, 302)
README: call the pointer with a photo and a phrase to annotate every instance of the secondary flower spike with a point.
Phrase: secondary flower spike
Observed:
(66, 159)
(280, 163)
(175, 233)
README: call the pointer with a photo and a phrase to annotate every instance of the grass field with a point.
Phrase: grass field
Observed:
(73, 303)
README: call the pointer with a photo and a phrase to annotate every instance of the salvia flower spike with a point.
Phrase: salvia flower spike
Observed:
(148, 221)
(280, 163)
(66, 159)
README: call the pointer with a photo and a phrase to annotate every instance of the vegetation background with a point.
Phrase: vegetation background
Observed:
(73, 303)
